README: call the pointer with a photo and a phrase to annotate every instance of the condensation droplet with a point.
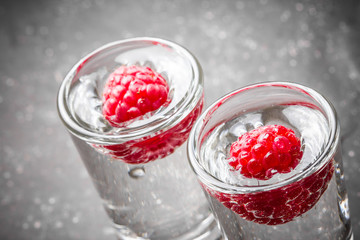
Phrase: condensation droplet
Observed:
(137, 172)
(293, 62)
(52, 200)
(299, 7)
(285, 16)
(25, 225)
(43, 30)
(240, 5)
(10, 82)
(49, 52)
(7, 175)
(262, 69)
(37, 225)
(351, 153)
(75, 220)
(59, 224)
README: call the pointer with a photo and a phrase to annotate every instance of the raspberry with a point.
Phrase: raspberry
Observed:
(132, 91)
(265, 151)
(260, 154)
(280, 205)
(160, 145)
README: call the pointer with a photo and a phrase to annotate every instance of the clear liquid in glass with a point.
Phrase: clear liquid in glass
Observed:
(321, 221)
(145, 181)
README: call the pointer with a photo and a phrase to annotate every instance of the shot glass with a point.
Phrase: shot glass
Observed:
(309, 201)
(141, 171)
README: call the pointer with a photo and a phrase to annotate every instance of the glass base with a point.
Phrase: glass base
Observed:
(206, 230)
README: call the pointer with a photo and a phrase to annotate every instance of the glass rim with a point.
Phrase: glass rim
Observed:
(216, 184)
(187, 103)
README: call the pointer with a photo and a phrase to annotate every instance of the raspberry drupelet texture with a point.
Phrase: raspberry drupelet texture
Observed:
(265, 151)
(280, 205)
(260, 154)
(150, 148)
(131, 92)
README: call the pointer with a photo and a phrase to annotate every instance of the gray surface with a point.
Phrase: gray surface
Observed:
(45, 192)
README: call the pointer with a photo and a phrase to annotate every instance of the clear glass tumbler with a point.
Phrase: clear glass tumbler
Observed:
(141, 171)
(309, 202)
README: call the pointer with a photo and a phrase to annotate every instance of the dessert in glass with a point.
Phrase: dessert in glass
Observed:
(129, 107)
(268, 158)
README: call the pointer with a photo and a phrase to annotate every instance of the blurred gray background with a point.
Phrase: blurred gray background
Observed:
(45, 192)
